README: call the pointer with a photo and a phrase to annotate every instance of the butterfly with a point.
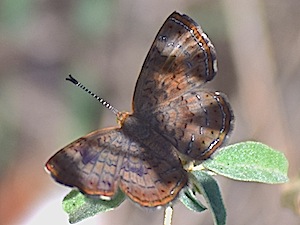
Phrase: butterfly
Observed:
(172, 119)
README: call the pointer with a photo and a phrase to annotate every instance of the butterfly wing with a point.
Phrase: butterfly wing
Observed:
(91, 163)
(105, 159)
(168, 94)
(196, 123)
(181, 58)
(152, 174)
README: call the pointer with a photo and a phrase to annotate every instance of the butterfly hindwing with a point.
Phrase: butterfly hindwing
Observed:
(196, 123)
(152, 174)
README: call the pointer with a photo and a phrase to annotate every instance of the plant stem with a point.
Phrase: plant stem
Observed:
(168, 215)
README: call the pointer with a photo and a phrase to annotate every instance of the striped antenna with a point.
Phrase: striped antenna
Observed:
(101, 100)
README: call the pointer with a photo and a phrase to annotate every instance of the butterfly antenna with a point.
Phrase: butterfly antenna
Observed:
(101, 100)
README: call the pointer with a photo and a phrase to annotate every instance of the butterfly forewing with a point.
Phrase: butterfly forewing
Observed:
(91, 163)
(180, 58)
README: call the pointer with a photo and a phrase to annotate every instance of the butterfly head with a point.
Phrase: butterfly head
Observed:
(121, 117)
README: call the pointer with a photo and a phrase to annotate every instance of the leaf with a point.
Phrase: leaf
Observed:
(80, 206)
(209, 188)
(250, 161)
(190, 201)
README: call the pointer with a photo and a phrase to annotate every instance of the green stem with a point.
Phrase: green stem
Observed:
(168, 215)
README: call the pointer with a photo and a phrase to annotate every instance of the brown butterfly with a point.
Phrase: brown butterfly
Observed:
(172, 118)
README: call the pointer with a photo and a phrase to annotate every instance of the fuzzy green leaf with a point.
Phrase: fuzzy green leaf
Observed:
(209, 188)
(79, 206)
(190, 201)
(250, 161)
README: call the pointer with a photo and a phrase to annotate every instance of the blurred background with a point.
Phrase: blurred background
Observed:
(103, 44)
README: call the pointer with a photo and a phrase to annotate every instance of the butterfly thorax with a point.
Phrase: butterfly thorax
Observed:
(136, 128)
(133, 126)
